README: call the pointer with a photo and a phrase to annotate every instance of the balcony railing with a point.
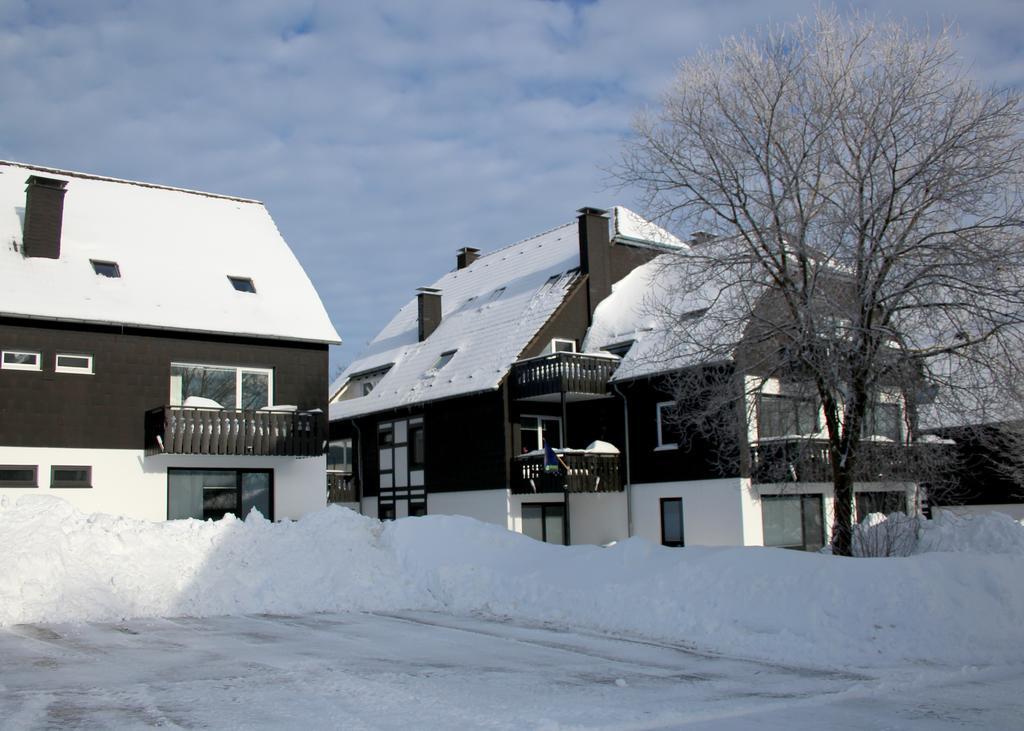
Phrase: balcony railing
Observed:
(185, 430)
(809, 460)
(583, 472)
(569, 373)
(341, 487)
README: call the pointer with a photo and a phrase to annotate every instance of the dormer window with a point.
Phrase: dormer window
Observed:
(243, 284)
(443, 360)
(106, 268)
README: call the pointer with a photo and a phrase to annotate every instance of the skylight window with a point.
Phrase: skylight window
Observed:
(443, 360)
(106, 268)
(243, 284)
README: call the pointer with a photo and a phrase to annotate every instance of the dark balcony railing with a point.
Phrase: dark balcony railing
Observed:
(809, 460)
(570, 373)
(583, 472)
(184, 430)
(341, 487)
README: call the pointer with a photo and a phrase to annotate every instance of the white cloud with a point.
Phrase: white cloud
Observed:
(382, 136)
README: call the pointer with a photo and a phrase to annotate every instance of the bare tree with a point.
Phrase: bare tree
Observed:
(863, 203)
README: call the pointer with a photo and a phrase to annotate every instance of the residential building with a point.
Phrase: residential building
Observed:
(164, 355)
(552, 340)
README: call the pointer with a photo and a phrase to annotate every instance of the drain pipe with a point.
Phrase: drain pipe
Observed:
(629, 481)
(359, 462)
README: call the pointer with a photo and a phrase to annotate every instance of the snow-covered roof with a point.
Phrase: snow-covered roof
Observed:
(645, 309)
(175, 250)
(630, 227)
(491, 310)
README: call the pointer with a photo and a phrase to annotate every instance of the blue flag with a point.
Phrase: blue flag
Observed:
(550, 460)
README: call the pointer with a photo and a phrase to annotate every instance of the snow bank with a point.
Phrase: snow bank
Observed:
(958, 608)
(900, 535)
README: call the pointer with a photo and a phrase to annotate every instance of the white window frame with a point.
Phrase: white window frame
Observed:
(38, 366)
(238, 380)
(73, 369)
(659, 407)
(556, 341)
(540, 427)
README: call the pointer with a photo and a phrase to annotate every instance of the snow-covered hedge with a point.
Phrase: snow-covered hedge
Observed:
(964, 607)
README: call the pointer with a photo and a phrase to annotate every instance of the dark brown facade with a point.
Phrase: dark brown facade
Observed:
(107, 409)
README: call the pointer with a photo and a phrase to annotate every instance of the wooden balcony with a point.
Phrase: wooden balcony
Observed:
(341, 487)
(587, 472)
(808, 460)
(184, 430)
(577, 375)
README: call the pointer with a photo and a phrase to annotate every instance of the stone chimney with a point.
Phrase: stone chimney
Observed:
(44, 216)
(466, 256)
(594, 256)
(429, 311)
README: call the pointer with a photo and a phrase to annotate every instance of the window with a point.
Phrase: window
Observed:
(21, 360)
(367, 388)
(535, 430)
(880, 502)
(106, 268)
(672, 521)
(544, 522)
(386, 512)
(339, 456)
(417, 450)
(18, 475)
(242, 284)
(417, 509)
(65, 476)
(212, 494)
(619, 349)
(67, 363)
(561, 345)
(443, 360)
(666, 429)
(781, 416)
(793, 521)
(883, 420)
(232, 388)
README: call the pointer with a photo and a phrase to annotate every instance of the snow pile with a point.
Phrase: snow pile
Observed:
(958, 608)
(900, 535)
(64, 565)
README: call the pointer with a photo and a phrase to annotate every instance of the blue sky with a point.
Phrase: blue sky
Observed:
(383, 136)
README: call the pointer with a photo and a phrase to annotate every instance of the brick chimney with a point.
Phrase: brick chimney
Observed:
(594, 256)
(44, 216)
(466, 256)
(429, 311)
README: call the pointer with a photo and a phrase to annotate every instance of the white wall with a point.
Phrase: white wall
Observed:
(490, 506)
(713, 513)
(127, 482)
(597, 518)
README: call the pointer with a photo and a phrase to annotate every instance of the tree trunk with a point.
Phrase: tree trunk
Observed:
(842, 524)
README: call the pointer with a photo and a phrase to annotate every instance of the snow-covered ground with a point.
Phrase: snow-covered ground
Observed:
(338, 619)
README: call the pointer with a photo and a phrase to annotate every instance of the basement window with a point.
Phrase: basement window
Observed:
(18, 475)
(70, 476)
(20, 360)
(243, 284)
(106, 268)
